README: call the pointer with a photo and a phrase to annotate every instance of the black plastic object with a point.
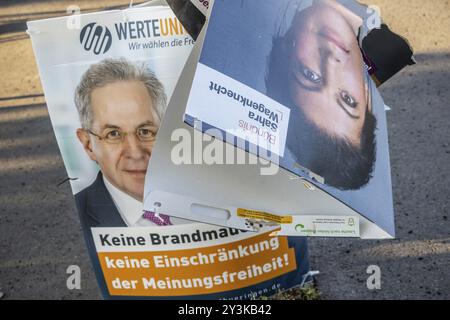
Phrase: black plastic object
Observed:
(387, 53)
(191, 18)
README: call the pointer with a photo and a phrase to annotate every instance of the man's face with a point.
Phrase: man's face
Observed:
(125, 106)
(326, 77)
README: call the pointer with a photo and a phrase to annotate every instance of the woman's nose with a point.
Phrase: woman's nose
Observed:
(337, 54)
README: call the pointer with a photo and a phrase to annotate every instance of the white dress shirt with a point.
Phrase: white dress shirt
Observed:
(131, 210)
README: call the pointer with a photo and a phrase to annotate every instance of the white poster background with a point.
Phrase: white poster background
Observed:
(62, 60)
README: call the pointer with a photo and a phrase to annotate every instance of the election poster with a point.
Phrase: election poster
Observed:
(107, 78)
(286, 81)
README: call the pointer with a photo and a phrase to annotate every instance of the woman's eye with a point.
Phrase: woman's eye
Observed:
(348, 99)
(311, 76)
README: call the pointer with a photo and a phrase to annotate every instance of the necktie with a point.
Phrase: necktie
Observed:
(158, 219)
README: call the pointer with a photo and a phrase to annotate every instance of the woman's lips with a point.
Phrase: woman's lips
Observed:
(334, 38)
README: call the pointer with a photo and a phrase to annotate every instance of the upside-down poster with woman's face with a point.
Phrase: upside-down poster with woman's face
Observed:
(306, 55)
(327, 89)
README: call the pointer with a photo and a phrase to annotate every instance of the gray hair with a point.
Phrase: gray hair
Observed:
(110, 71)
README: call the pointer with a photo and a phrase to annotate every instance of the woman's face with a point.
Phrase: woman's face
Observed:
(326, 77)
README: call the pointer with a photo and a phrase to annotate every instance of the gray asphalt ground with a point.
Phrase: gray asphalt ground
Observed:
(40, 234)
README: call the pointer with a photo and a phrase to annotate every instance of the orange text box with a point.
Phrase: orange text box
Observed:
(198, 271)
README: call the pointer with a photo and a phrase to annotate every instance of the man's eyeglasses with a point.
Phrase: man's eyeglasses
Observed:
(116, 136)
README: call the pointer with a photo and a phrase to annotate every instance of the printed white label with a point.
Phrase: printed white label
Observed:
(239, 110)
(322, 226)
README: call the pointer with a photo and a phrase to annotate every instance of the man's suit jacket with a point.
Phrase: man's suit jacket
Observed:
(96, 207)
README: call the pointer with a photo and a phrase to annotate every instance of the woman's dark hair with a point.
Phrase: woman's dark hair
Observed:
(342, 164)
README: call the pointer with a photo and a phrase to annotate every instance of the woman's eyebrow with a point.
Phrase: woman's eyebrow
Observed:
(339, 102)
